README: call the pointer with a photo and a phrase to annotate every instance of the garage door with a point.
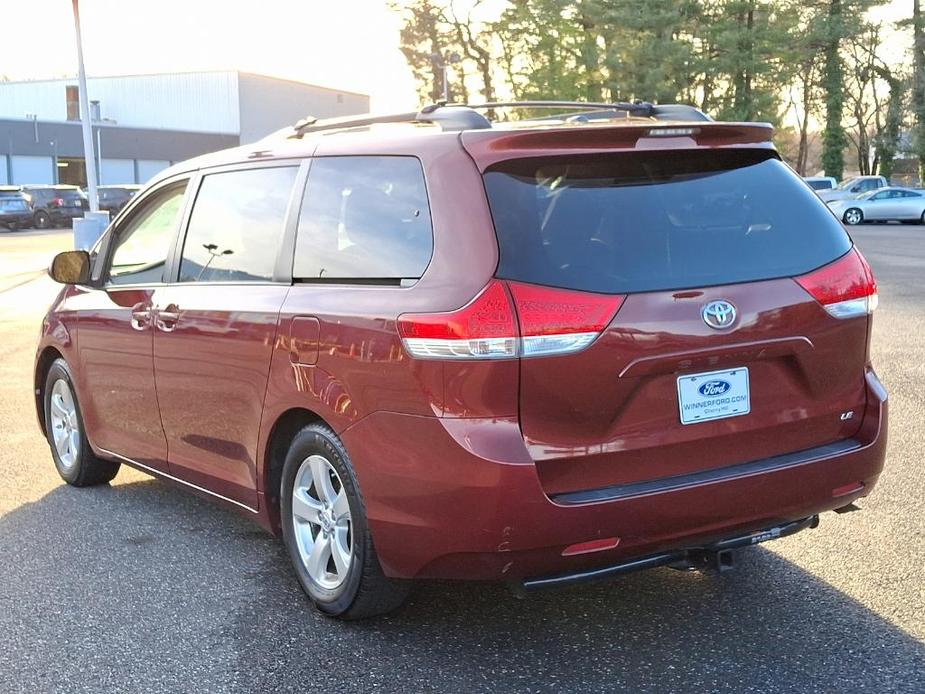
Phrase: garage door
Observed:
(33, 169)
(115, 171)
(148, 168)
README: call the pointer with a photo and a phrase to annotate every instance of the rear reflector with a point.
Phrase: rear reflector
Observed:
(847, 489)
(846, 287)
(591, 546)
(508, 320)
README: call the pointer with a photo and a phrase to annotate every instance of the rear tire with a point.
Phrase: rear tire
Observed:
(64, 428)
(41, 219)
(330, 519)
(853, 216)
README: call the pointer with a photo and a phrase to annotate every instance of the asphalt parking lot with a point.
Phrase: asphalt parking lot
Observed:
(139, 586)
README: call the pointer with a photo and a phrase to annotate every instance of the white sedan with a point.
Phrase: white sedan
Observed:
(883, 205)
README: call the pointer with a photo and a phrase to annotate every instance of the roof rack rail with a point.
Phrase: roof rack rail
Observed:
(455, 117)
(642, 109)
(639, 108)
(679, 112)
(447, 116)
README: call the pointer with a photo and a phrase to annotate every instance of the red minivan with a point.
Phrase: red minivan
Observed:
(540, 351)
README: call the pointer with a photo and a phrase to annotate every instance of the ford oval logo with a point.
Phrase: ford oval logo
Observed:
(719, 314)
(713, 388)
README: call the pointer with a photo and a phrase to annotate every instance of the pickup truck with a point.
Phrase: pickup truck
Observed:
(853, 186)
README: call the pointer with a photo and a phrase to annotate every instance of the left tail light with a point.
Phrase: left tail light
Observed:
(846, 287)
(510, 319)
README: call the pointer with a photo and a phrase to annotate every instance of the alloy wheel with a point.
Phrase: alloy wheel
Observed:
(853, 216)
(322, 523)
(65, 426)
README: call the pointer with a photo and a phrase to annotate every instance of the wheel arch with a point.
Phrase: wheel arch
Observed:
(42, 365)
(283, 430)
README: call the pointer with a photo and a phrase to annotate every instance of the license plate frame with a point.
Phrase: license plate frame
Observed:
(712, 395)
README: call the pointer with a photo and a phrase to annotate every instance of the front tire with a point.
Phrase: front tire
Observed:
(64, 429)
(324, 526)
(853, 216)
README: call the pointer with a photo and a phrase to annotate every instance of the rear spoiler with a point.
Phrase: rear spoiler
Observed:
(488, 147)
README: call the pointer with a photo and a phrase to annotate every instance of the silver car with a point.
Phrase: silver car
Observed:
(883, 205)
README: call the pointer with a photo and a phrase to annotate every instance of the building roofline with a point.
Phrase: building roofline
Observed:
(114, 126)
(302, 84)
(186, 72)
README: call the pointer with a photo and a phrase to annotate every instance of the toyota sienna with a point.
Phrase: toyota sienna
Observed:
(538, 351)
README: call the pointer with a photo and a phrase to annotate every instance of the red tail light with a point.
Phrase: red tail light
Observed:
(509, 319)
(560, 321)
(846, 287)
(484, 328)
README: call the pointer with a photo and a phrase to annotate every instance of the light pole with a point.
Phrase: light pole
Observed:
(213, 254)
(89, 158)
(439, 62)
(54, 159)
(99, 153)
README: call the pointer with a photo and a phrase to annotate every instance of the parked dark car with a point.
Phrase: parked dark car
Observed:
(113, 198)
(539, 352)
(56, 205)
(15, 208)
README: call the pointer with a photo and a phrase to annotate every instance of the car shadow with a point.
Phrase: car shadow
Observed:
(139, 587)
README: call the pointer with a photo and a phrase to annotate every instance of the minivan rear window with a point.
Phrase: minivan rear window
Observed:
(637, 222)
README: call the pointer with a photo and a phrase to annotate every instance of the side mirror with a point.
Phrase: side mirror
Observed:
(71, 267)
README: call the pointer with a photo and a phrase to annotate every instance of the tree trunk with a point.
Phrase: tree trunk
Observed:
(918, 88)
(833, 137)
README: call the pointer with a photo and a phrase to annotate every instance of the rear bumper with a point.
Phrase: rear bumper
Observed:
(18, 218)
(460, 498)
(65, 213)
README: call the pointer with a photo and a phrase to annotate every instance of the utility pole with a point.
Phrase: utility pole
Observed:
(85, 126)
(443, 64)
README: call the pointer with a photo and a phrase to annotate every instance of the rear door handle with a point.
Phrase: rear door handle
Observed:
(167, 318)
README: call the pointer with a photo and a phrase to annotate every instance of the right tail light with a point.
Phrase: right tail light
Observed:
(845, 287)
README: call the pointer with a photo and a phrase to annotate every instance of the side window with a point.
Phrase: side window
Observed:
(881, 196)
(364, 218)
(236, 225)
(143, 242)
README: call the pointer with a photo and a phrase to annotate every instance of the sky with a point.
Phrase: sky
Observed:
(344, 44)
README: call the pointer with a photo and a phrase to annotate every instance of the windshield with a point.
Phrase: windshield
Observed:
(845, 185)
(636, 222)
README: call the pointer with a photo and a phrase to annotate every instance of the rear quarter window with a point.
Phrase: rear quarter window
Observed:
(637, 222)
(364, 218)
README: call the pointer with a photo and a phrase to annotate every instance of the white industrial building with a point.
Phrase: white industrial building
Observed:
(143, 123)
